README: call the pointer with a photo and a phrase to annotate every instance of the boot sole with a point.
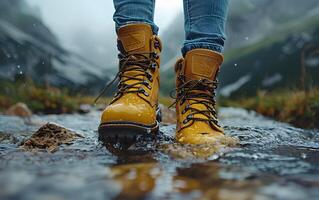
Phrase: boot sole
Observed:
(126, 132)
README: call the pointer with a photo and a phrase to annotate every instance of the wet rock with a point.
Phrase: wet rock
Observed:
(49, 137)
(19, 109)
(168, 115)
(85, 108)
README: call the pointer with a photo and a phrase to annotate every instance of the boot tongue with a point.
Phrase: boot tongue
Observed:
(202, 64)
(135, 38)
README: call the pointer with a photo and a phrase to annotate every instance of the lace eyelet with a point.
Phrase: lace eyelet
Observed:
(147, 85)
(184, 111)
(150, 79)
(146, 94)
(155, 55)
(189, 117)
(156, 45)
(185, 121)
(153, 66)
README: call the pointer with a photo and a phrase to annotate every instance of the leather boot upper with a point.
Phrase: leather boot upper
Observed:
(195, 104)
(136, 99)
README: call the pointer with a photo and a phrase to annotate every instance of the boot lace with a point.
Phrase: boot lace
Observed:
(142, 64)
(200, 92)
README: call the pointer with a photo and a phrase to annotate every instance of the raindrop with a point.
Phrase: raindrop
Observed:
(42, 62)
(20, 72)
(303, 156)
(235, 64)
(18, 66)
(246, 38)
(255, 156)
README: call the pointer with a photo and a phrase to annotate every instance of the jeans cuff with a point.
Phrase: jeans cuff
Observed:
(153, 26)
(202, 45)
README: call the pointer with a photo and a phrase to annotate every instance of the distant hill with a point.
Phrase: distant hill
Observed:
(29, 48)
(272, 63)
(265, 38)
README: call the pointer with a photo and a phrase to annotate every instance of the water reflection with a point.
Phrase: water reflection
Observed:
(137, 179)
(197, 181)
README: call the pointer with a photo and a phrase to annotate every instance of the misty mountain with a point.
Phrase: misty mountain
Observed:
(29, 48)
(273, 63)
(275, 30)
(265, 38)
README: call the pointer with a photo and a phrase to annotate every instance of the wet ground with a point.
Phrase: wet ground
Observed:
(272, 161)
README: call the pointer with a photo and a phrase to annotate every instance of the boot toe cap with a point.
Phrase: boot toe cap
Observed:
(200, 133)
(138, 112)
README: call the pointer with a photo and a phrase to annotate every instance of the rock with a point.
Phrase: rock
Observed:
(19, 109)
(50, 136)
(85, 108)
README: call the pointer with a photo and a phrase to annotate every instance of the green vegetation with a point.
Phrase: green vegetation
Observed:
(293, 106)
(41, 99)
(49, 99)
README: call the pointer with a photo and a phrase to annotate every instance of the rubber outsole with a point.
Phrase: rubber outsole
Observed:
(124, 132)
(127, 132)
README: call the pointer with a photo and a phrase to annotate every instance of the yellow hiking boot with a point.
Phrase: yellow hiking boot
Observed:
(195, 97)
(134, 108)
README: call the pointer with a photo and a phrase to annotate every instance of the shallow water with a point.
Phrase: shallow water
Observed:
(272, 161)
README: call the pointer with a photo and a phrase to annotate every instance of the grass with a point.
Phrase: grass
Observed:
(48, 99)
(41, 99)
(293, 106)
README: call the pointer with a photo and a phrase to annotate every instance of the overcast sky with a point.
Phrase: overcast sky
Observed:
(86, 26)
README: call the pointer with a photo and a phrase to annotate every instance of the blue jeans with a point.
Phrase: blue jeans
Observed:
(204, 20)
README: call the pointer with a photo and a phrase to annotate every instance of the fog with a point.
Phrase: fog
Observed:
(86, 27)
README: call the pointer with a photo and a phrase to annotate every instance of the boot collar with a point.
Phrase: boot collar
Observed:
(201, 64)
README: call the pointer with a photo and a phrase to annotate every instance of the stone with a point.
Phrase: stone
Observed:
(19, 109)
(49, 137)
(85, 108)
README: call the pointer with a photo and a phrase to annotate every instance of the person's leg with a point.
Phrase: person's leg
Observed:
(196, 72)
(134, 11)
(134, 108)
(205, 24)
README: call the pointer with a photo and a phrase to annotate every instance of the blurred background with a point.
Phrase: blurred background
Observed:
(53, 50)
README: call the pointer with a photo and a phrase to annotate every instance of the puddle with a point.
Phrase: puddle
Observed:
(272, 161)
